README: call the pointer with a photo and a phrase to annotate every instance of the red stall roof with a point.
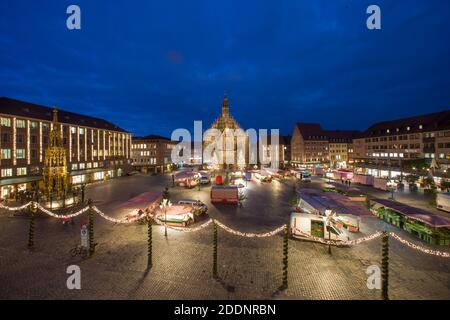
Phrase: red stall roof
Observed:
(142, 201)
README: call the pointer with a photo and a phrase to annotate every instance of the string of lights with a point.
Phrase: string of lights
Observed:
(342, 243)
(122, 221)
(420, 248)
(2, 206)
(235, 232)
(200, 227)
(248, 234)
(62, 216)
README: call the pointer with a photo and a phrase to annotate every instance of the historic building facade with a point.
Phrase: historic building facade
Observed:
(391, 147)
(152, 153)
(224, 151)
(312, 145)
(95, 148)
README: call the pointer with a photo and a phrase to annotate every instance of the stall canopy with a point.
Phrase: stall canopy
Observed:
(147, 200)
(175, 213)
(318, 201)
(418, 214)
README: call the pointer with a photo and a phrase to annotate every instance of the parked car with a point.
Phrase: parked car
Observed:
(306, 177)
(204, 177)
(200, 207)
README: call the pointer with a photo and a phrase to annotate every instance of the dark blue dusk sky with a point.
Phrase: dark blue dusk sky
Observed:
(153, 66)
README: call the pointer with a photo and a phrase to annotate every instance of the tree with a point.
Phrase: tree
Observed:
(385, 266)
(215, 240)
(91, 229)
(226, 180)
(166, 193)
(149, 243)
(445, 185)
(285, 256)
(33, 210)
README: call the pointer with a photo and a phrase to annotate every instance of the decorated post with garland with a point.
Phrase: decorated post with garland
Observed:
(215, 235)
(33, 210)
(149, 243)
(385, 266)
(91, 228)
(285, 256)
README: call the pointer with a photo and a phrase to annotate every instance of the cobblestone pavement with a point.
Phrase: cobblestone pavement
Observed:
(182, 263)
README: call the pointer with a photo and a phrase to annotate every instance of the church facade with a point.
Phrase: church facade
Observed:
(231, 151)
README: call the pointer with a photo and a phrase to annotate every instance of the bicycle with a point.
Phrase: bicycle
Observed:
(79, 250)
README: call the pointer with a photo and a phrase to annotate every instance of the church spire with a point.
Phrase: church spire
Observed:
(225, 108)
(55, 134)
(55, 116)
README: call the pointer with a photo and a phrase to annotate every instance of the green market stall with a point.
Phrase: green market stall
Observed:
(427, 226)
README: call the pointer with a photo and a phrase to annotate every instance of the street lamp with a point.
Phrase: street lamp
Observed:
(329, 217)
(164, 205)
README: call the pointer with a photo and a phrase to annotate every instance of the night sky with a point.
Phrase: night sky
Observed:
(153, 66)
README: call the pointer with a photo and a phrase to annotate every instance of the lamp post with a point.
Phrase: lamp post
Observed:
(164, 205)
(329, 214)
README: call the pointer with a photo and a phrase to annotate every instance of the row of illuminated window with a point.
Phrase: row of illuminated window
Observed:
(90, 165)
(8, 172)
(20, 123)
(145, 153)
(148, 161)
(144, 146)
(386, 155)
(20, 154)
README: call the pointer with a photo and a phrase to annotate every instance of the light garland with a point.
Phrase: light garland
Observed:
(343, 243)
(62, 216)
(232, 231)
(200, 227)
(122, 221)
(248, 234)
(420, 248)
(2, 206)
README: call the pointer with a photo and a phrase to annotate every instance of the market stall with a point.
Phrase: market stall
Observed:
(429, 227)
(187, 179)
(142, 204)
(176, 215)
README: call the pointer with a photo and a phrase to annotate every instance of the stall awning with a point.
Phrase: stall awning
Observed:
(418, 214)
(340, 204)
(141, 202)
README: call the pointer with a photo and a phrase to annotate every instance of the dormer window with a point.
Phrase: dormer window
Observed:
(387, 130)
(408, 128)
(420, 126)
